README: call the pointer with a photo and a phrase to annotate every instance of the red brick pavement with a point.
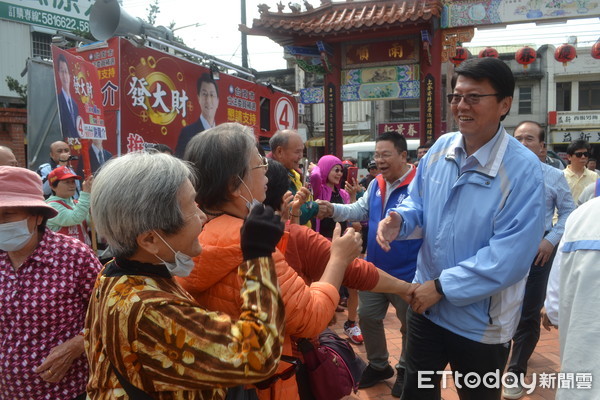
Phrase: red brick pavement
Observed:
(545, 359)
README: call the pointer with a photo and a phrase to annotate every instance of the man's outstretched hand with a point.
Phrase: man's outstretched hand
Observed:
(388, 230)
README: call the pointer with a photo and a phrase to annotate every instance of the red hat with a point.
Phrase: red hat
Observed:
(22, 188)
(348, 162)
(60, 174)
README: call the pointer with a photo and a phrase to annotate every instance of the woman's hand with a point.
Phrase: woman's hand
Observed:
(86, 186)
(286, 205)
(352, 188)
(345, 247)
(59, 360)
(301, 197)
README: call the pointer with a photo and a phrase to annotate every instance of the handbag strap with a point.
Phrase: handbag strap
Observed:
(133, 392)
(304, 345)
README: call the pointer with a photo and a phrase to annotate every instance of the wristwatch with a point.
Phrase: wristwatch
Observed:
(438, 286)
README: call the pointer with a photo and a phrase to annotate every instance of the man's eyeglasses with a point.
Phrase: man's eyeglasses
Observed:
(265, 164)
(580, 154)
(383, 156)
(470, 98)
(286, 374)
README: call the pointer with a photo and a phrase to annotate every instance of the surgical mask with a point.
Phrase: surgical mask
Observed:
(14, 235)
(183, 264)
(249, 204)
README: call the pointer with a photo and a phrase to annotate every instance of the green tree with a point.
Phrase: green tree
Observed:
(15, 86)
(153, 10)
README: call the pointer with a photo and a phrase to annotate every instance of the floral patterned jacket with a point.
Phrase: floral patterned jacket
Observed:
(154, 333)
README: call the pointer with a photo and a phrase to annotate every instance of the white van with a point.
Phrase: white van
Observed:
(363, 152)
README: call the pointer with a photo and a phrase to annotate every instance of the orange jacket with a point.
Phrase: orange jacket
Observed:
(308, 253)
(215, 284)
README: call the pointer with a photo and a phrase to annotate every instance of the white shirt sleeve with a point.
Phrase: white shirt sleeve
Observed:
(551, 302)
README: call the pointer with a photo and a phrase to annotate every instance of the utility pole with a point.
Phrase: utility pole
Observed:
(244, 38)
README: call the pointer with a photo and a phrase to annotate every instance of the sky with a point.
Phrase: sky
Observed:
(218, 33)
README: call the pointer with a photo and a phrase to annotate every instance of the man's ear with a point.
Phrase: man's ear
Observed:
(506, 104)
(278, 152)
(148, 241)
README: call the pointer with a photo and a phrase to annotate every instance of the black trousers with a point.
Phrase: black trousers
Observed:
(528, 330)
(430, 348)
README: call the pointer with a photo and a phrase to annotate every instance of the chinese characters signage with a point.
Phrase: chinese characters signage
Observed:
(66, 15)
(409, 130)
(401, 51)
(566, 137)
(330, 140)
(429, 106)
(578, 118)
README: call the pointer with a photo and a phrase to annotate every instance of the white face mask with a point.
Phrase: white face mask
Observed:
(249, 204)
(183, 265)
(14, 235)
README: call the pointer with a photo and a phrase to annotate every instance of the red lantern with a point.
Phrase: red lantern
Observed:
(489, 52)
(525, 56)
(461, 55)
(565, 53)
(596, 50)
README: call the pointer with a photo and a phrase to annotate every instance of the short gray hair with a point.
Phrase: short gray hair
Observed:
(220, 155)
(137, 193)
(281, 139)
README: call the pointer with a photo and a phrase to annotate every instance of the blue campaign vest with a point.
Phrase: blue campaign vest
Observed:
(401, 260)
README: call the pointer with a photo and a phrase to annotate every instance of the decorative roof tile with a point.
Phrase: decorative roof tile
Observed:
(341, 17)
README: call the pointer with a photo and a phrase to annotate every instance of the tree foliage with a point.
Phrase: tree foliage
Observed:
(153, 10)
(15, 86)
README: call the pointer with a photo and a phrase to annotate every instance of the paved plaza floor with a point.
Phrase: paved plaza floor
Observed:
(545, 359)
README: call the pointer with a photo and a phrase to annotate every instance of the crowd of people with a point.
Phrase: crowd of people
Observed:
(223, 259)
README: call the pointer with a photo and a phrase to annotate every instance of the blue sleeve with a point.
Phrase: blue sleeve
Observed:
(565, 205)
(517, 229)
(411, 209)
(357, 211)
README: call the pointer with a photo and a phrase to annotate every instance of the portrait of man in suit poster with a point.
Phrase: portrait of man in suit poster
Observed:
(80, 109)
(208, 99)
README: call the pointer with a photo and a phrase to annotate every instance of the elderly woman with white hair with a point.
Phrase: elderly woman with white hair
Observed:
(231, 182)
(145, 336)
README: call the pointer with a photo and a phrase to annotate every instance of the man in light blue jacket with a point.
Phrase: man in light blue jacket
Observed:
(479, 198)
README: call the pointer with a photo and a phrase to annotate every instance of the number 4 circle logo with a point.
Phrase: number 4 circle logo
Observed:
(285, 114)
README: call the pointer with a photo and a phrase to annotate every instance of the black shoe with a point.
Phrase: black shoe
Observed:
(399, 385)
(372, 376)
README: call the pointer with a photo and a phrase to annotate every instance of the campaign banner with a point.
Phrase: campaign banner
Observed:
(168, 100)
(78, 96)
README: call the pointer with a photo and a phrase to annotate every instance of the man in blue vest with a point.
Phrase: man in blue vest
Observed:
(386, 191)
